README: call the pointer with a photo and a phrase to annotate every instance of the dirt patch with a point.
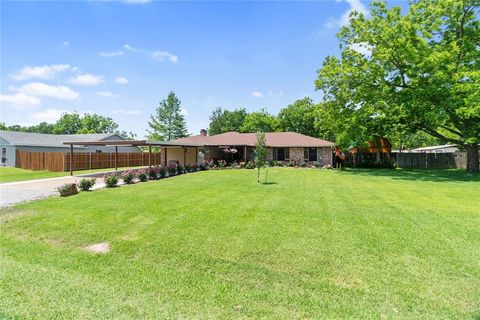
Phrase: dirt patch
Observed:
(103, 248)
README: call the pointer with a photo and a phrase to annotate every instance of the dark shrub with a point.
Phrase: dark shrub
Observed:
(111, 181)
(142, 175)
(180, 170)
(86, 184)
(273, 163)
(250, 165)
(172, 169)
(222, 164)
(162, 172)
(128, 177)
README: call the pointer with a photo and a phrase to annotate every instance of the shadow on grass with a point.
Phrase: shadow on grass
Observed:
(440, 175)
(268, 183)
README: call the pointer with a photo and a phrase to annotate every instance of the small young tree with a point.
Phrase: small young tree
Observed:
(260, 153)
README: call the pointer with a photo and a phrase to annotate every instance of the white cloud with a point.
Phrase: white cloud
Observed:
(129, 48)
(121, 80)
(126, 112)
(87, 79)
(106, 94)
(42, 72)
(162, 55)
(48, 115)
(354, 5)
(20, 99)
(362, 48)
(257, 94)
(65, 43)
(184, 112)
(109, 54)
(45, 90)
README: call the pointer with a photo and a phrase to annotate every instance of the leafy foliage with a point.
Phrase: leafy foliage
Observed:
(224, 120)
(86, 184)
(260, 153)
(168, 122)
(409, 73)
(299, 117)
(260, 121)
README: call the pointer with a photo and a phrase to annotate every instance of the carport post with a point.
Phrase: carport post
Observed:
(149, 159)
(166, 156)
(245, 153)
(184, 156)
(71, 159)
(196, 155)
(116, 156)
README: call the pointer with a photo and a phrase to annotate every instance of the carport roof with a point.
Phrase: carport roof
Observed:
(134, 143)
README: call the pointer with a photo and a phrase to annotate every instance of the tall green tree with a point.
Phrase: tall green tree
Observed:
(300, 117)
(168, 122)
(420, 70)
(69, 123)
(224, 120)
(260, 121)
(260, 153)
(94, 123)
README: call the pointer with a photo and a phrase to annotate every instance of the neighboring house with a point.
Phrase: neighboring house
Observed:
(437, 149)
(11, 141)
(282, 146)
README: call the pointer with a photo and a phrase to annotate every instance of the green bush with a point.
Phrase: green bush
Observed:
(142, 175)
(86, 184)
(128, 177)
(250, 165)
(111, 181)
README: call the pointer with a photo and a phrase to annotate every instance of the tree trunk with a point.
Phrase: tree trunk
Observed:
(258, 175)
(472, 158)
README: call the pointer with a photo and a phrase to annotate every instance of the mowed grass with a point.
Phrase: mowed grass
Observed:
(318, 244)
(9, 174)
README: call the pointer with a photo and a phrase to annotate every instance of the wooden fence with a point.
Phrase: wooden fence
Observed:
(59, 161)
(450, 160)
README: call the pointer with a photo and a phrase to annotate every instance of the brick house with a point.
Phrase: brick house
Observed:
(282, 146)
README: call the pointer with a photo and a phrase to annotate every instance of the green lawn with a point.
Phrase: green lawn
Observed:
(9, 174)
(382, 244)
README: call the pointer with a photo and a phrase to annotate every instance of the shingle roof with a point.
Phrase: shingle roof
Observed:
(49, 140)
(272, 139)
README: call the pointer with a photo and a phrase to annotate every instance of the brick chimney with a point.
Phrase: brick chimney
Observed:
(203, 132)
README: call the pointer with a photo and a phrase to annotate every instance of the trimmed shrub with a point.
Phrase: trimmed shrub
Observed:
(86, 184)
(172, 169)
(142, 175)
(162, 172)
(128, 177)
(222, 164)
(250, 165)
(180, 170)
(111, 181)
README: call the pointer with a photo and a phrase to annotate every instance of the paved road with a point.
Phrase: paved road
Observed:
(23, 191)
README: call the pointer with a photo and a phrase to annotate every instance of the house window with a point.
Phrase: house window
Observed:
(310, 154)
(4, 155)
(281, 154)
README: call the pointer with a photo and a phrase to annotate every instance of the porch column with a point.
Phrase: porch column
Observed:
(244, 153)
(166, 157)
(116, 157)
(71, 159)
(196, 155)
(184, 156)
(149, 159)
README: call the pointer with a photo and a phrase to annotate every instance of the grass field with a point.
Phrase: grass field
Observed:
(9, 174)
(382, 244)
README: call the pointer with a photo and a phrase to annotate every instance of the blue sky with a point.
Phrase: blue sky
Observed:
(120, 58)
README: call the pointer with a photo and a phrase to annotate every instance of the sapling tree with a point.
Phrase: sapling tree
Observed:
(260, 153)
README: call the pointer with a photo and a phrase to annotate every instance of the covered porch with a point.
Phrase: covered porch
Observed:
(180, 153)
